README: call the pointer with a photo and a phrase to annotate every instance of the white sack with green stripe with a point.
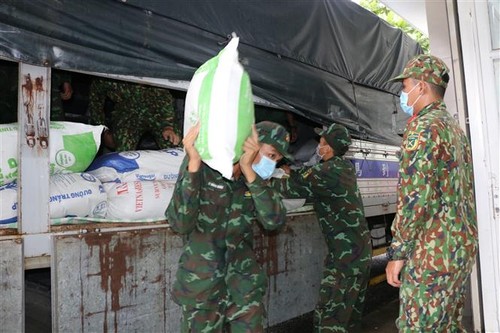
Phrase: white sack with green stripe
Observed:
(220, 98)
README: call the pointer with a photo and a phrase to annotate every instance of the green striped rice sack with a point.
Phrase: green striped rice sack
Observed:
(220, 97)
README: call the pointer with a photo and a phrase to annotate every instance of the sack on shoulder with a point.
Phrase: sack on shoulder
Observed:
(220, 97)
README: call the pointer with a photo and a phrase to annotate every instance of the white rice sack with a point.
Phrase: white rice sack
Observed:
(220, 98)
(8, 153)
(8, 205)
(77, 194)
(73, 147)
(292, 204)
(138, 165)
(138, 200)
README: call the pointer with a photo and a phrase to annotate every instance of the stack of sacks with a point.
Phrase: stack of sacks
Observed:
(71, 195)
(77, 195)
(72, 148)
(139, 184)
(8, 205)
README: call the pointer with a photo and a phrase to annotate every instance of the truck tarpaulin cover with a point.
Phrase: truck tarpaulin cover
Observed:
(327, 60)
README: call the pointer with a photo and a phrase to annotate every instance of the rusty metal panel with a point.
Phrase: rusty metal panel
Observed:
(33, 178)
(115, 281)
(293, 260)
(11, 286)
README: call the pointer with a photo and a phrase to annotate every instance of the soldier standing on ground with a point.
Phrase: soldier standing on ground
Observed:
(219, 283)
(435, 233)
(129, 110)
(332, 187)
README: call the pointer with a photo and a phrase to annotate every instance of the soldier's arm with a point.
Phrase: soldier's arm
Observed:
(167, 110)
(97, 97)
(170, 132)
(269, 209)
(296, 186)
(417, 168)
(182, 211)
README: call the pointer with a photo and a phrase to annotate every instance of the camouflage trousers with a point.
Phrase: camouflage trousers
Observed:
(340, 303)
(228, 318)
(432, 301)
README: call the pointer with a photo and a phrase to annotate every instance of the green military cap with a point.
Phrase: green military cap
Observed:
(337, 137)
(275, 135)
(426, 68)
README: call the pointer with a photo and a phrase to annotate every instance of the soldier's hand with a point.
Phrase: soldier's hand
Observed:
(193, 155)
(392, 272)
(108, 140)
(286, 168)
(251, 148)
(169, 135)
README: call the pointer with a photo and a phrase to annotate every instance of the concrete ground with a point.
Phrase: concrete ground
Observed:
(382, 302)
(381, 307)
(381, 320)
(381, 310)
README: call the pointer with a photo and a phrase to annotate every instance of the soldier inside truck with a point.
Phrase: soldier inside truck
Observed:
(70, 101)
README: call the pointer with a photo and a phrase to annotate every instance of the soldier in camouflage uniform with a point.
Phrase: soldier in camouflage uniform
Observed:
(60, 90)
(332, 187)
(137, 109)
(219, 283)
(434, 233)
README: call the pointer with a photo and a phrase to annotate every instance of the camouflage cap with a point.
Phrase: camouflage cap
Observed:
(337, 137)
(275, 135)
(426, 68)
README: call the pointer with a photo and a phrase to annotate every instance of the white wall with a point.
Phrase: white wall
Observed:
(481, 60)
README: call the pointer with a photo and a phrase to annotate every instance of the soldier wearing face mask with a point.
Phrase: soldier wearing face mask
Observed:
(435, 230)
(219, 283)
(332, 187)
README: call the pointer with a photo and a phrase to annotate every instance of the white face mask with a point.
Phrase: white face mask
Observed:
(318, 148)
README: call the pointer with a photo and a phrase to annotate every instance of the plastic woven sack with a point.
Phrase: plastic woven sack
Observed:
(73, 147)
(141, 165)
(220, 98)
(8, 205)
(138, 200)
(77, 194)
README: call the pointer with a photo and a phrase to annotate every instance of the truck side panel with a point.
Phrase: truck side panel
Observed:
(11, 285)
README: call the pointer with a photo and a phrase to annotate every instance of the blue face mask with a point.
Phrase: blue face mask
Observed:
(403, 101)
(265, 167)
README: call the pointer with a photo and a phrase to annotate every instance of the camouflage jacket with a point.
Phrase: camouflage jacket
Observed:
(333, 189)
(133, 103)
(435, 224)
(217, 214)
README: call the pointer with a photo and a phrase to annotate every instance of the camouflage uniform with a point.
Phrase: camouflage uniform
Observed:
(435, 225)
(219, 282)
(137, 109)
(332, 187)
